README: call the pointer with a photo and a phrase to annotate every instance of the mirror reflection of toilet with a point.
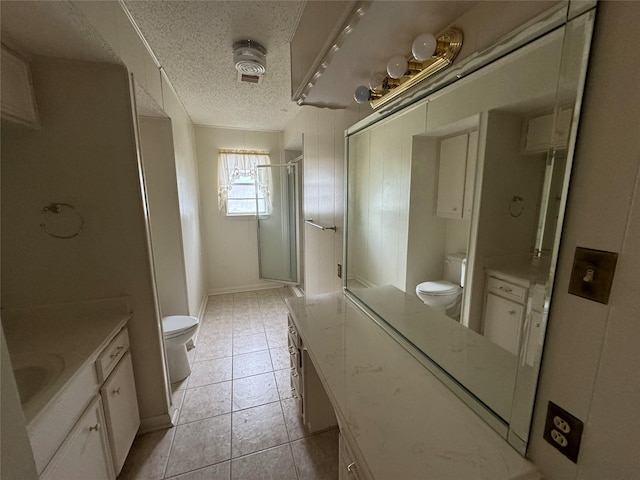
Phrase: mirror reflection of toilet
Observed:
(446, 295)
(177, 331)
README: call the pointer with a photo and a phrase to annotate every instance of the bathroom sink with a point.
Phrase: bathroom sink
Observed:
(35, 372)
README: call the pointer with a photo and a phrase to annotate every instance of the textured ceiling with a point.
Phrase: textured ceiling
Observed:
(193, 42)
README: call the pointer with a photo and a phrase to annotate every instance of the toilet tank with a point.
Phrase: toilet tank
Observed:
(454, 268)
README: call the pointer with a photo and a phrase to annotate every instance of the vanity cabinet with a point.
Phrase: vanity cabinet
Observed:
(85, 451)
(504, 313)
(313, 403)
(97, 444)
(350, 466)
(121, 410)
(456, 175)
(539, 134)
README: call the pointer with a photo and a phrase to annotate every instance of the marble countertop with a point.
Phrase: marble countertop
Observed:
(404, 421)
(74, 332)
(519, 269)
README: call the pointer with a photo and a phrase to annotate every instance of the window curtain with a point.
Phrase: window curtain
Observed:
(232, 165)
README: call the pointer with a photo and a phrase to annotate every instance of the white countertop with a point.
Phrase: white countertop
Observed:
(404, 421)
(75, 332)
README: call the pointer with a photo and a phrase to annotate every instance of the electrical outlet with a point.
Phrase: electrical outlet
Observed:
(563, 431)
(339, 270)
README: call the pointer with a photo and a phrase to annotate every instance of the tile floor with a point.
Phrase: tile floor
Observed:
(237, 419)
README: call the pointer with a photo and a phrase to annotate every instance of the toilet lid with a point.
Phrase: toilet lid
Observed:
(175, 323)
(441, 287)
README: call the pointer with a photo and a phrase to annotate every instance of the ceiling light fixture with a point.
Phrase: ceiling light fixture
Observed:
(428, 56)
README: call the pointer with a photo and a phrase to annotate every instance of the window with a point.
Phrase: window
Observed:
(244, 187)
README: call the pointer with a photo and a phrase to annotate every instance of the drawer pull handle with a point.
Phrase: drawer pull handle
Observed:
(116, 391)
(118, 351)
(351, 467)
(95, 428)
(294, 374)
(291, 352)
(505, 289)
(292, 330)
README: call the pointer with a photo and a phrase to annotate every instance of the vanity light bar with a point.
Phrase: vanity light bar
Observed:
(448, 47)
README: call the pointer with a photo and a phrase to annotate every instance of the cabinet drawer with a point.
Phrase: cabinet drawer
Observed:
(508, 290)
(112, 354)
(294, 338)
(121, 410)
(295, 379)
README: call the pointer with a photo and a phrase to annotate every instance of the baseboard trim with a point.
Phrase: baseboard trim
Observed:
(244, 288)
(158, 422)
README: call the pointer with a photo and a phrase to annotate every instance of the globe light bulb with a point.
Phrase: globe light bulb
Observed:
(376, 80)
(397, 66)
(362, 94)
(424, 46)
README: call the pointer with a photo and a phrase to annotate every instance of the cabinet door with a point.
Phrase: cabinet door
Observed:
(85, 452)
(503, 322)
(451, 177)
(121, 410)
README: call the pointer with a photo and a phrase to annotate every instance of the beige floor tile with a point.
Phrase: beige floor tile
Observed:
(316, 457)
(274, 321)
(257, 428)
(249, 364)
(204, 402)
(255, 390)
(273, 464)
(283, 381)
(200, 444)
(249, 343)
(253, 327)
(293, 421)
(210, 349)
(221, 471)
(148, 456)
(277, 337)
(210, 371)
(177, 398)
(280, 358)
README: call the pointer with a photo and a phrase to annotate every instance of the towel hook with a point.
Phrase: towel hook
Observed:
(59, 208)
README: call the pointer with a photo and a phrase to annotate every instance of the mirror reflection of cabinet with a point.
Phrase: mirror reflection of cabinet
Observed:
(456, 175)
(504, 313)
(540, 134)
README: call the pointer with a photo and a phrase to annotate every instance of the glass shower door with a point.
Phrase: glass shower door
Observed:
(278, 228)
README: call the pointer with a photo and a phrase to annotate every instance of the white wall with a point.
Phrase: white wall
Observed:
(156, 145)
(591, 357)
(85, 155)
(323, 190)
(230, 243)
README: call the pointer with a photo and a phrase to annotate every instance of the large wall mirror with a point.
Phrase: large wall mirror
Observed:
(454, 213)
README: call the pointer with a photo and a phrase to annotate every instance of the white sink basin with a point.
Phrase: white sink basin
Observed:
(35, 372)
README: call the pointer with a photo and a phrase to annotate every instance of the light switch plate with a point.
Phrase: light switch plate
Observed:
(592, 274)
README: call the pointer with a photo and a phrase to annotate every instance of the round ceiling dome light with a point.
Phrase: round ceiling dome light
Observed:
(249, 57)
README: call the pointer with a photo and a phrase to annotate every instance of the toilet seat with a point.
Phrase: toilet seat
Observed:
(175, 324)
(440, 287)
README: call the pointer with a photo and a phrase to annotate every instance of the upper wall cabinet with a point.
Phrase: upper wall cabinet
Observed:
(456, 175)
(541, 134)
(18, 103)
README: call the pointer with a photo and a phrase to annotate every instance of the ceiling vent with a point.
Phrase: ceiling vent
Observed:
(250, 59)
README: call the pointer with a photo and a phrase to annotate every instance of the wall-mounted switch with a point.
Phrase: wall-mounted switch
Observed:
(339, 270)
(563, 431)
(592, 274)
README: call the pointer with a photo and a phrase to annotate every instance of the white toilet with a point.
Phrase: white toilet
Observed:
(446, 295)
(177, 331)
